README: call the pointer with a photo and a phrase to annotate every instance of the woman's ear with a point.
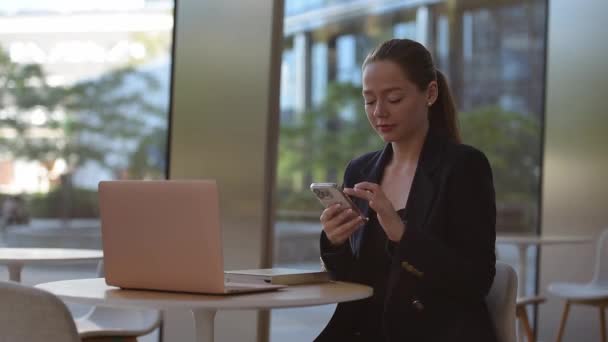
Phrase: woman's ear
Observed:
(432, 92)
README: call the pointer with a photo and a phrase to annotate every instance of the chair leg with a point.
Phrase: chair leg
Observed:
(522, 314)
(603, 323)
(562, 324)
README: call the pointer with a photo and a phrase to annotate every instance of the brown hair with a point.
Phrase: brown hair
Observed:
(417, 64)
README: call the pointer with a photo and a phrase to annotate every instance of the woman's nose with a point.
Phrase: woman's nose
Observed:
(379, 110)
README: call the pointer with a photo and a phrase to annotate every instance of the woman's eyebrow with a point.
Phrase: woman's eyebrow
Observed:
(387, 90)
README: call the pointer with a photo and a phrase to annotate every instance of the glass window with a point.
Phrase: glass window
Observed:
(493, 56)
(85, 98)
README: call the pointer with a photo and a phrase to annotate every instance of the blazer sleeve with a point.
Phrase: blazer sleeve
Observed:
(463, 264)
(338, 260)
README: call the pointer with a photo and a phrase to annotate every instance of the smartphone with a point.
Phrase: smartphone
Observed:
(329, 194)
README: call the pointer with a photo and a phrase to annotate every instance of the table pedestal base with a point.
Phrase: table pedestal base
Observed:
(14, 272)
(203, 325)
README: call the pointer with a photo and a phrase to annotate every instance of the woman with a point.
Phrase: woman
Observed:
(428, 247)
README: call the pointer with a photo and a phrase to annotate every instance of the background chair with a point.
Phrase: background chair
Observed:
(522, 314)
(501, 302)
(33, 315)
(103, 321)
(594, 293)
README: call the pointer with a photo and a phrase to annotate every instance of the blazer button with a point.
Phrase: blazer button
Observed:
(418, 305)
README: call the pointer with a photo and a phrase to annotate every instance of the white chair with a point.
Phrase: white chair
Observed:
(501, 302)
(103, 321)
(522, 314)
(33, 315)
(594, 293)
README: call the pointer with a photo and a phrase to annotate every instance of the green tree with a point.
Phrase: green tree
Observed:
(98, 120)
(511, 142)
(88, 121)
(105, 117)
(319, 143)
(148, 159)
(24, 89)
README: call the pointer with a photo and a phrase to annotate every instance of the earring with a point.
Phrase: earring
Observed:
(430, 104)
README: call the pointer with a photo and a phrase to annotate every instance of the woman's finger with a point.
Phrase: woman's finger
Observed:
(330, 212)
(346, 230)
(359, 193)
(369, 186)
(339, 219)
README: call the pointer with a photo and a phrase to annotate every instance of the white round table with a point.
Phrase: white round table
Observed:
(522, 241)
(16, 258)
(203, 307)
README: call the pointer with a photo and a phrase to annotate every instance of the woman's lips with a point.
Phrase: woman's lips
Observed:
(385, 128)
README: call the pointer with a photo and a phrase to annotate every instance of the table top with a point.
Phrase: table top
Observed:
(50, 255)
(531, 239)
(96, 292)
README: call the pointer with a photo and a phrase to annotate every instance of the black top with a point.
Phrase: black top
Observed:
(375, 257)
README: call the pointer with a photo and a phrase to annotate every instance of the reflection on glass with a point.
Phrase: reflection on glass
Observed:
(493, 55)
(85, 93)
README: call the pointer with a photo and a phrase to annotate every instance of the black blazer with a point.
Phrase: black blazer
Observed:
(443, 268)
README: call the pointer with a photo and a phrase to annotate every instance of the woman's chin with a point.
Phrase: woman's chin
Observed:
(387, 137)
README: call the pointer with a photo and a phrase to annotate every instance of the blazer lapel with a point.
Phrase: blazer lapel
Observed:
(420, 200)
(422, 192)
(372, 172)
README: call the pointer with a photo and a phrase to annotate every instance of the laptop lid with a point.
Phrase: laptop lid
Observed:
(162, 235)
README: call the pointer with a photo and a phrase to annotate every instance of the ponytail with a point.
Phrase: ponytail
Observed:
(442, 114)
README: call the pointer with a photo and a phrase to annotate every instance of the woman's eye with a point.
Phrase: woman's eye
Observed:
(395, 100)
(369, 102)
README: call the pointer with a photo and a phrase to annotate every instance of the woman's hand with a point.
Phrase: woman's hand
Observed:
(387, 216)
(339, 223)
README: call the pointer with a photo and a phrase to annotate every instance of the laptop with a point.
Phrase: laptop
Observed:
(165, 235)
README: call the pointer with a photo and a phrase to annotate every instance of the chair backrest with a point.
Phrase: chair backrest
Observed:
(501, 302)
(33, 315)
(600, 273)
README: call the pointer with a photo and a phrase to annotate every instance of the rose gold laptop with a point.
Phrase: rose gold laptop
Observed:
(165, 235)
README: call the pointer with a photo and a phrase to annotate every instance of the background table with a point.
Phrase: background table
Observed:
(204, 307)
(523, 241)
(16, 258)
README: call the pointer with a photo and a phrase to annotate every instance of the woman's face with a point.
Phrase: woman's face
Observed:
(395, 107)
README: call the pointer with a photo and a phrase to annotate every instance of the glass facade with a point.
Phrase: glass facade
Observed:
(82, 101)
(84, 98)
(493, 54)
